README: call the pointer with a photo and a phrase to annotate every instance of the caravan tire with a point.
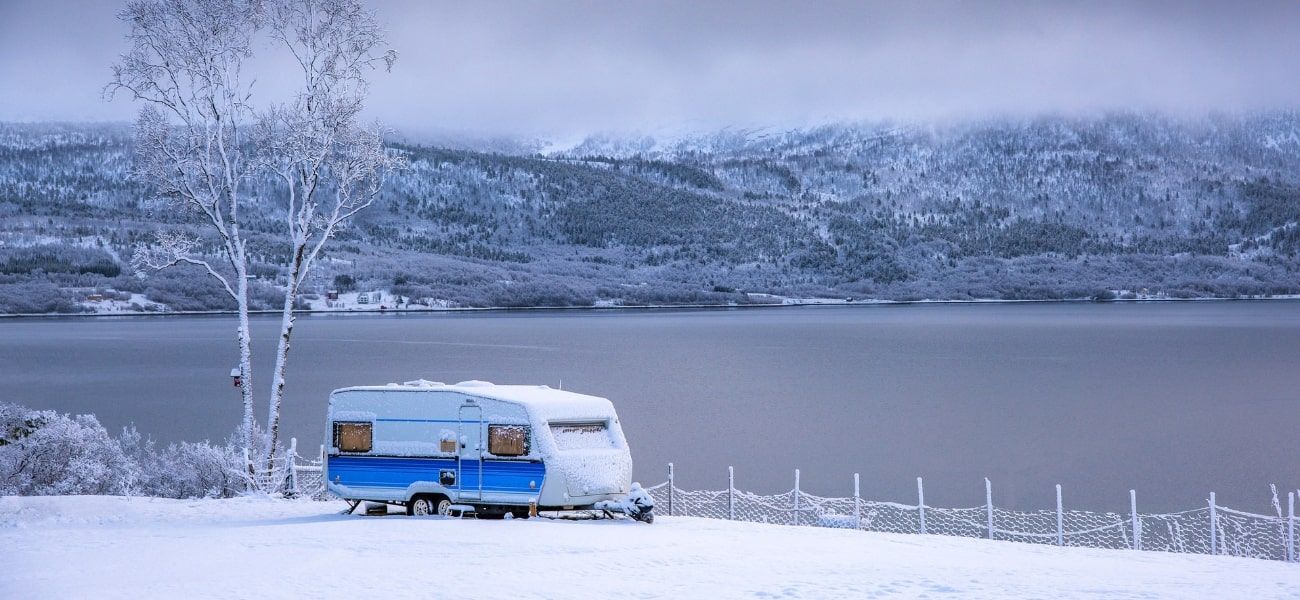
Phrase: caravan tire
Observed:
(442, 505)
(421, 505)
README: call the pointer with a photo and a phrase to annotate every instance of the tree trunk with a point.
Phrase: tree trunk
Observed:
(282, 358)
(245, 364)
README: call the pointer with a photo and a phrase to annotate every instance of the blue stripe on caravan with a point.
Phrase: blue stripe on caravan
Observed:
(502, 476)
(422, 421)
(399, 472)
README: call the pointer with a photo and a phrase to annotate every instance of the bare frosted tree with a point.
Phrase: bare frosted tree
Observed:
(185, 65)
(202, 144)
(329, 166)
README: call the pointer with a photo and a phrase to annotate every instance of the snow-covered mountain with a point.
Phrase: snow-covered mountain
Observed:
(1050, 207)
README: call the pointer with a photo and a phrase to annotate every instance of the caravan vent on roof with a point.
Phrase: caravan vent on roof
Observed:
(423, 383)
(474, 383)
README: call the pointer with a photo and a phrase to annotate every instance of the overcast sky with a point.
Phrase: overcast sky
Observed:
(571, 68)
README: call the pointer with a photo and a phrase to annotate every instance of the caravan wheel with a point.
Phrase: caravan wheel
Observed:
(420, 506)
(444, 506)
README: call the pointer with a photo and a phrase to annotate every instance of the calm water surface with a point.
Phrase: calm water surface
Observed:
(1173, 399)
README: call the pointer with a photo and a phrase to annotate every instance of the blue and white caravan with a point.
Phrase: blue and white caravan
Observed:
(439, 448)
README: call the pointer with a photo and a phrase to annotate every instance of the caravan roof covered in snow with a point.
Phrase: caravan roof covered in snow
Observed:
(551, 403)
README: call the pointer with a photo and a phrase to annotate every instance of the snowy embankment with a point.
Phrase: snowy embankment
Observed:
(114, 547)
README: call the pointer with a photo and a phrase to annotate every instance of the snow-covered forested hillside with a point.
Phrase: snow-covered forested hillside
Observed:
(116, 547)
(1053, 207)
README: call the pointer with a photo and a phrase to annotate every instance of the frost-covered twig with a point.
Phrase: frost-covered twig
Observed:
(171, 249)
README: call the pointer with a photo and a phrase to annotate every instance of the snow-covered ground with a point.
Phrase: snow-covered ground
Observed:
(135, 304)
(374, 300)
(112, 547)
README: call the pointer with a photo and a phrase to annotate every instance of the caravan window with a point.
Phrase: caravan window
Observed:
(508, 440)
(448, 442)
(578, 435)
(353, 436)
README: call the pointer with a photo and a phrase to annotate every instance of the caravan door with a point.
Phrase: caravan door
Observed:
(469, 459)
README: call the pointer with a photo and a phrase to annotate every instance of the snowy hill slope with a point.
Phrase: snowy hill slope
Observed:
(113, 547)
(1043, 208)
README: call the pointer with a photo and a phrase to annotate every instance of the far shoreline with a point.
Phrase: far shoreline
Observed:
(812, 302)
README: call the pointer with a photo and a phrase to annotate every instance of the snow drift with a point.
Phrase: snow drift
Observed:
(115, 547)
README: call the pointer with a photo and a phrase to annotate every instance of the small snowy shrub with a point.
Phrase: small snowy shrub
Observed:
(48, 453)
(202, 469)
(184, 470)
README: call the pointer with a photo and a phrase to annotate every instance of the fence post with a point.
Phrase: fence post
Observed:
(293, 465)
(920, 503)
(731, 493)
(988, 501)
(1290, 526)
(323, 479)
(670, 489)
(857, 503)
(796, 496)
(1214, 526)
(1060, 518)
(1137, 521)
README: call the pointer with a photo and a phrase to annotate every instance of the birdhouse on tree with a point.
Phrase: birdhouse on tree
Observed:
(236, 377)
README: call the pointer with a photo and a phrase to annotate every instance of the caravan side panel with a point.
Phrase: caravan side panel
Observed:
(398, 478)
(407, 455)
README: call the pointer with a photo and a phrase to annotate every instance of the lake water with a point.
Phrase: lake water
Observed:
(1173, 399)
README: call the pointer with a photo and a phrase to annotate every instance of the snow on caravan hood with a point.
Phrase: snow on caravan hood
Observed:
(593, 472)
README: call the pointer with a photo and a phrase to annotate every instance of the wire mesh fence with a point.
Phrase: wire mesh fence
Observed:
(1213, 529)
(306, 478)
